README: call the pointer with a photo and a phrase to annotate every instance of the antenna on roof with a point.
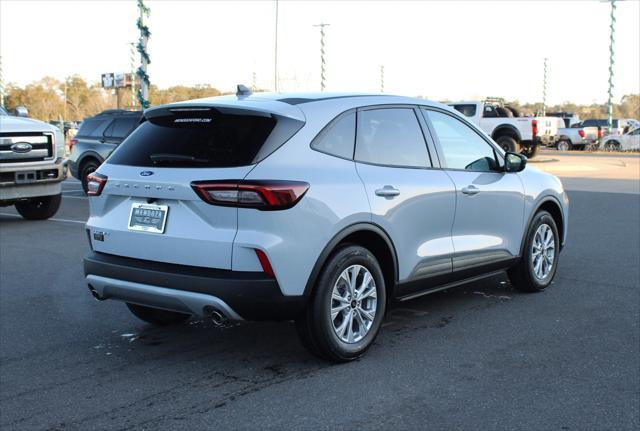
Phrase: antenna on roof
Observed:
(243, 90)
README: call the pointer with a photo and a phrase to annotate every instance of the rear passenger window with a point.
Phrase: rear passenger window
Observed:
(121, 127)
(339, 138)
(391, 136)
(88, 128)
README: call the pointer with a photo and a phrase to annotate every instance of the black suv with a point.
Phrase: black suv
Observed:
(97, 138)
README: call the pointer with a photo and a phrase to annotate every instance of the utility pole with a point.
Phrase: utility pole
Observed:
(611, 61)
(544, 89)
(382, 78)
(133, 73)
(253, 81)
(322, 60)
(275, 55)
(1, 84)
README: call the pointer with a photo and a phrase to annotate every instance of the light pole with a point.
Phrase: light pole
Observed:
(382, 78)
(1, 84)
(544, 89)
(611, 62)
(133, 73)
(143, 93)
(322, 60)
(275, 54)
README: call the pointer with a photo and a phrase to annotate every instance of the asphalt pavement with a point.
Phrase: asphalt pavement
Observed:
(479, 357)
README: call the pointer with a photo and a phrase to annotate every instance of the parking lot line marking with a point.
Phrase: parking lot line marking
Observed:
(51, 219)
(75, 197)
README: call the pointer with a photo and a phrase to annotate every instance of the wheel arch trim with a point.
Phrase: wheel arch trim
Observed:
(338, 238)
(533, 213)
(497, 132)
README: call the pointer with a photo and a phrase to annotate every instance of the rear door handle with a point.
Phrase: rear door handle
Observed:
(470, 190)
(388, 192)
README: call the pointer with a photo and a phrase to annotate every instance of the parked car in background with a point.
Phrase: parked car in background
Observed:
(620, 125)
(505, 125)
(576, 137)
(626, 142)
(32, 165)
(318, 208)
(568, 118)
(97, 137)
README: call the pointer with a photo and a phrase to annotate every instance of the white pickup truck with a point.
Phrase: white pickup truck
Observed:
(505, 125)
(32, 165)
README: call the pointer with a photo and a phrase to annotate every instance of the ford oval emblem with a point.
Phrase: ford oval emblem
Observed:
(146, 173)
(21, 147)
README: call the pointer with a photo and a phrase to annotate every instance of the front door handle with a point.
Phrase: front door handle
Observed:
(470, 190)
(388, 192)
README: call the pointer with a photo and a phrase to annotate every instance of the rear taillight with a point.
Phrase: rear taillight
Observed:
(534, 127)
(95, 183)
(581, 133)
(72, 142)
(262, 195)
(264, 262)
(600, 132)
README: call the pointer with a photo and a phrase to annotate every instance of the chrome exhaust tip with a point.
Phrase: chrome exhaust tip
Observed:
(218, 318)
(95, 293)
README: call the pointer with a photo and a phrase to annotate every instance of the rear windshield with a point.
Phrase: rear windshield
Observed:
(210, 139)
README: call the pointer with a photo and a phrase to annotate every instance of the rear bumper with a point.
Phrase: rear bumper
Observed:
(196, 290)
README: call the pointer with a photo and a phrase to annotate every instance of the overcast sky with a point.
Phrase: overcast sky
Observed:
(441, 50)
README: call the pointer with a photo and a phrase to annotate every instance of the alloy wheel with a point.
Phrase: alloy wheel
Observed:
(543, 251)
(354, 300)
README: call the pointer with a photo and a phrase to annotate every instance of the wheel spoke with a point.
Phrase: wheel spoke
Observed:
(361, 324)
(350, 328)
(366, 279)
(337, 310)
(370, 292)
(367, 314)
(336, 297)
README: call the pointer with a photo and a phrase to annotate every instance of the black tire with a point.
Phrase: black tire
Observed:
(564, 145)
(157, 316)
(612, 145)
(315, 326)
(531, 151)
(504, 112)
(522, 275)
(40, 208)
(508, 144)
(514, 111)
(87, 168)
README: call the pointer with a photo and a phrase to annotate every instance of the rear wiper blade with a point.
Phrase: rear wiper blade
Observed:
(174, 158)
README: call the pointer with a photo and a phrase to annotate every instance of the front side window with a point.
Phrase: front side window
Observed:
(392, 137)
(462, 146)
(339, 138)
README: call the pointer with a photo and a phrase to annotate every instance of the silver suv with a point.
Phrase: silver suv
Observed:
(318, 208)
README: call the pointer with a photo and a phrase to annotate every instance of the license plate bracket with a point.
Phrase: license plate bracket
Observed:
(148, 217)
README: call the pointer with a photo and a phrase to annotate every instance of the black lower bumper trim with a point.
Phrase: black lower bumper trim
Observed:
(253, 295)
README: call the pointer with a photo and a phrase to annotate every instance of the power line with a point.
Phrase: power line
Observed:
(322, 53)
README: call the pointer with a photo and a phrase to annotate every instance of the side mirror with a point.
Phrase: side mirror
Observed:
(21, 111)
(514, 162)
